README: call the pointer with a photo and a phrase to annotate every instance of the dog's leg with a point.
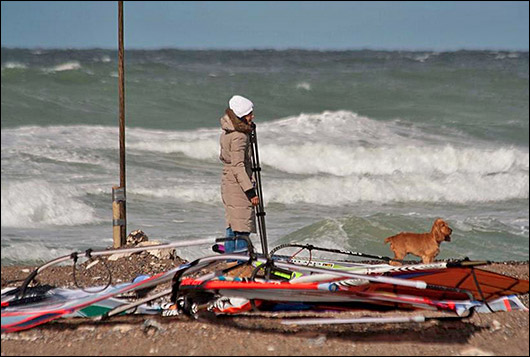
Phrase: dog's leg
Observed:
(427, 259)
(399, 257)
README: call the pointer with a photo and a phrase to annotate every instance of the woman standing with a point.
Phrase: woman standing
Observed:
(237, 185)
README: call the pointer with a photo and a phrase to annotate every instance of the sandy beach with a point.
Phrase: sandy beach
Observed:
(503, 333)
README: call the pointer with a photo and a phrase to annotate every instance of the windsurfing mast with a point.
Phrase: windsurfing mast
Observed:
(456, 263)
(260, 210)
(311, 247)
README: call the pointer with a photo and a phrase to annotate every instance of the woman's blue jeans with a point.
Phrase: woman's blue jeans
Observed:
(236, 245)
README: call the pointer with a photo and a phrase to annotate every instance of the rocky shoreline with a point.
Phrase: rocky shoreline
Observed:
(502, 333)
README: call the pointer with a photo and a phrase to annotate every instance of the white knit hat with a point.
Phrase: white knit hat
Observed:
(241, 106)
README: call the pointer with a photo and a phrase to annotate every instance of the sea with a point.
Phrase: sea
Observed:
(355, 146)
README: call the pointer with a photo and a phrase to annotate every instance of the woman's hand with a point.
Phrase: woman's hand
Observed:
(255, 200)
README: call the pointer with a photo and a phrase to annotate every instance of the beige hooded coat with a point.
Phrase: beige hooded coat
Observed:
(237, 173)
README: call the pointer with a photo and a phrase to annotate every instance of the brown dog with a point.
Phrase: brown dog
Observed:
(424, 245)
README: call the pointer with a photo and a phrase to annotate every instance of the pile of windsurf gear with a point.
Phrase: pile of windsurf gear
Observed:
(287, 283)
(271, 282)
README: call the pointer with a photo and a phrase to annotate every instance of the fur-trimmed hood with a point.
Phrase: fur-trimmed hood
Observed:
(230, 122)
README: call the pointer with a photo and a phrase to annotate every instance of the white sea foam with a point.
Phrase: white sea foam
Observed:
(338, 128)
(502, 55)
(330, 131)
(489, 224)
(345, 128)
(39, 203)
(422, 58)
(32, 252)
(72, 137)
(341, 157)
(304, 86)
(58, 144)
(456, 188)
(104, 59)
(201, 144)
(344, 144)
(312, 158)
(68, 66)
(187, 192)
(14, 65)
(335, 143)
(205, 149)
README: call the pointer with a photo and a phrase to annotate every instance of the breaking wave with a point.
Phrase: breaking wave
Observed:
(38, 203)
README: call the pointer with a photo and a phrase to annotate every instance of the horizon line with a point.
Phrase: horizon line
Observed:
(352, 49)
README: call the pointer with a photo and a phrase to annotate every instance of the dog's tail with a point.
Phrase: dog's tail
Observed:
(389, 239)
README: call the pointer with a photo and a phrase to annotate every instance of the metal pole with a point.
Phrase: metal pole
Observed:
(121, 76)
(260, 210)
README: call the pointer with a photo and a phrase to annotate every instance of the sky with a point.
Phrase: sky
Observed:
(329, 25)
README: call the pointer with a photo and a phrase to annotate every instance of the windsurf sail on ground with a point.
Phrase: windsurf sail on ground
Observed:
(444, 285)
(21, 315)
(52, 295)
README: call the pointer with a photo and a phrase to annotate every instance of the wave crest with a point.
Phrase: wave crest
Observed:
(39, 203)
